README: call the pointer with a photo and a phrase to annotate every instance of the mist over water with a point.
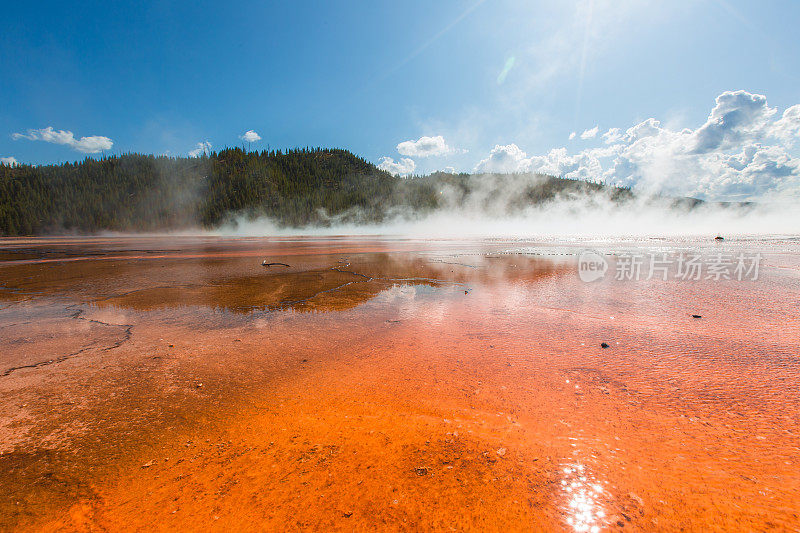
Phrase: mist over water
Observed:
(574, 216)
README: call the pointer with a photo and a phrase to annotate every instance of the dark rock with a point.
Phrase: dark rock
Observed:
(604, 345)
(697, 316)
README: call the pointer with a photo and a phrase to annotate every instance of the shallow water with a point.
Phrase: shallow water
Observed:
(387, 383)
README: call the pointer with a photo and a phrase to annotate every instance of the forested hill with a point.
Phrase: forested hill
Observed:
(135, 192)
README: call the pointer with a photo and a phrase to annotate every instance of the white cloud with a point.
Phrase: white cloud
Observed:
(504, 159)
(612, 136)
(590, 134)
(202, 148)
(649, 128)
(250, 136)
(424, 147)
(510, 158)
(743, 151)
(572, 135)
(88, 145)
(10, 161)
(557, 162)
(404, 167)
(787, 128)
(738, 116)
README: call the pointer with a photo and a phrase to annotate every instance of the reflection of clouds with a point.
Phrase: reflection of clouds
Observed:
(411, 303)
(396, 293)
(402, 297)
(434, 304)
(582, 492)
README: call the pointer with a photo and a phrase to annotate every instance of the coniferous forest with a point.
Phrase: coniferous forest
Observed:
(294, 188)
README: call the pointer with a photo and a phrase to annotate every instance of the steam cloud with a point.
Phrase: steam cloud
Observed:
(578, 218)
(745, 150)
(497, 205)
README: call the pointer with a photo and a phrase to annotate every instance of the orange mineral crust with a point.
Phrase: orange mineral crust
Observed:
(368, 383)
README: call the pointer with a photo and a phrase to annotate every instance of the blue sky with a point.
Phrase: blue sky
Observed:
(161, 77)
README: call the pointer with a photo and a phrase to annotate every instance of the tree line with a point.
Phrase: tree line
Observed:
(299, 187)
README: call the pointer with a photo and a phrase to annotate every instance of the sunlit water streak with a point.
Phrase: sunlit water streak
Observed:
(582, 492)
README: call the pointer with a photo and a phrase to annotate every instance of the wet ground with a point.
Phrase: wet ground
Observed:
(393, 384)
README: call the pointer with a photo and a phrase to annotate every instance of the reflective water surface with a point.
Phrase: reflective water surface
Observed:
(383, 383)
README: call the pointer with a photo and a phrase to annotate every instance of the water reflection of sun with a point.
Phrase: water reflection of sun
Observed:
(582, 493)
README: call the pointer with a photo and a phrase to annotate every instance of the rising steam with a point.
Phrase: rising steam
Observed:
(496, 207)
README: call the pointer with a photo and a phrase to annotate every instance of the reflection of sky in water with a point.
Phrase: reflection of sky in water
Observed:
(582, 491)
(414, 301)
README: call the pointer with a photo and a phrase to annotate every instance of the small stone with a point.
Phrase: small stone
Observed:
(501, 452)
(603, 345)
(148, 464)
(421, 471)
(697, 316)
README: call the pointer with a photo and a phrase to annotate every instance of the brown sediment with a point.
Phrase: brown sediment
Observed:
(362, 389)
